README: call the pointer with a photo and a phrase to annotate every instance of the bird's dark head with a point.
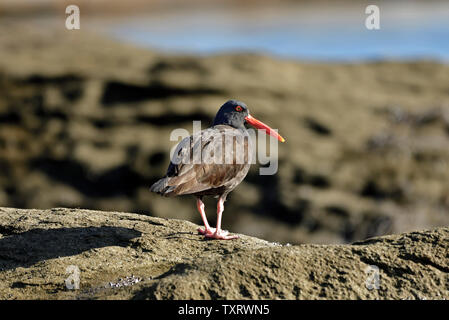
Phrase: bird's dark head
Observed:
(235, 113)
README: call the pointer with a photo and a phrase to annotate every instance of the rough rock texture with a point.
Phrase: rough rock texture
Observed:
(85, 122)
(134, 256)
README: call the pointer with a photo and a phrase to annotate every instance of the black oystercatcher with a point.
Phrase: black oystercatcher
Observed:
(213, 162)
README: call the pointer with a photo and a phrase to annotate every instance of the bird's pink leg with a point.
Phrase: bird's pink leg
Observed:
(220, 234)
(207, 229)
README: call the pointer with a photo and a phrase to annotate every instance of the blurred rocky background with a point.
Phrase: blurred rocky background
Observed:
(86, 115)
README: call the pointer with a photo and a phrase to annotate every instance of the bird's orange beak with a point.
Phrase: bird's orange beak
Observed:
(260, 125)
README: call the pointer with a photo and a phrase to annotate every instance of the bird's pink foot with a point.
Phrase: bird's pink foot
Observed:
(206, 231)
(221, 235)
(212, 232)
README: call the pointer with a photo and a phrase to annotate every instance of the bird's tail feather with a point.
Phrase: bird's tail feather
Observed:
(161, 187)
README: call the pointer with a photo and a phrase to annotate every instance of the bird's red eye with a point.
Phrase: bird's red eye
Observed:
(238, 108)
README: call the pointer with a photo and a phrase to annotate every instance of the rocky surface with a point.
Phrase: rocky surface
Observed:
(85, 122)
(132, 256)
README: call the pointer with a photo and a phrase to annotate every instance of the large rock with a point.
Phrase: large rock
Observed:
(132, 256)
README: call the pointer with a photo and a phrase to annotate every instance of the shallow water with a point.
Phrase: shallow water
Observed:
(408, 30)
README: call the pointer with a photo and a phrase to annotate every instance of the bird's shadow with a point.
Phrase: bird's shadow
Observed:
(194, 236)
(30, 247)
(182, 235)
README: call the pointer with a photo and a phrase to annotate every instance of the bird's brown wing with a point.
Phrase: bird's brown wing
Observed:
(213, 158)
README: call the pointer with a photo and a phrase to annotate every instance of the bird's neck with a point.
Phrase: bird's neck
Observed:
(229, 121)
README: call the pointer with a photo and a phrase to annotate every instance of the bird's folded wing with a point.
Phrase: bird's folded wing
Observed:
(207, 160)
